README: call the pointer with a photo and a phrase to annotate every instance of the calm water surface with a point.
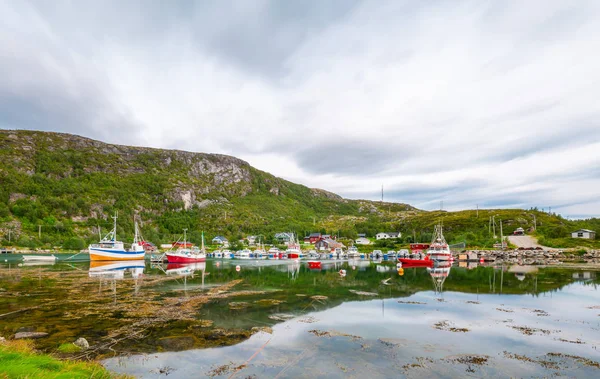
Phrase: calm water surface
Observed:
(280, 319)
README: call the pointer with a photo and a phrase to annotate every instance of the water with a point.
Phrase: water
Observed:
(280, 319)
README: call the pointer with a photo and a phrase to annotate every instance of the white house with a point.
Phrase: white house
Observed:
(220, 240)
(251, 240)
(387, 235)
(584, 233)
(362, 241)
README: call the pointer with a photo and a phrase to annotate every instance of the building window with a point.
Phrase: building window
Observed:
(579, 235)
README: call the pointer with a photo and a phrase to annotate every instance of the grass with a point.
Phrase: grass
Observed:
(69, 348)
(19, 360)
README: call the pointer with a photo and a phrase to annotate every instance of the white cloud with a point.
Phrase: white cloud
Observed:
(474, 102)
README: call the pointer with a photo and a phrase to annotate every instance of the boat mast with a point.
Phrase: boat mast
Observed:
(114, 233)
(203, 241)
(184, 236)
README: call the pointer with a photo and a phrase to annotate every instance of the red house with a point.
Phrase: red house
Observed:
(313, 238)
(187, 245)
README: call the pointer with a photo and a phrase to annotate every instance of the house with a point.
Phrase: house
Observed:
(584, 233)
(519, 232)
(284, 237)
(251, 240)
(312, 238)
(362, 241)
(387, 235)
(328, 244)
(220, 240)
(362, 235)
(187, 245)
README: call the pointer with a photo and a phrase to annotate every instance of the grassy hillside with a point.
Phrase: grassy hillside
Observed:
(59, 189)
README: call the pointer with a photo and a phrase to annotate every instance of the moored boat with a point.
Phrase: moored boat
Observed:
(439, 249)
(110, 249)
(185, 254)
(39, 258)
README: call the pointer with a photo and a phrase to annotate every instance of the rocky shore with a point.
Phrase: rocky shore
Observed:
(528, 256)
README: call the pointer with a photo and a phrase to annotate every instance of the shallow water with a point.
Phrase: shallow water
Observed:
(486, 322)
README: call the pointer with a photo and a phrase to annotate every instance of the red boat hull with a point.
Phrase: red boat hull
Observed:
(407, 262)
(314, 265)
(180, 259)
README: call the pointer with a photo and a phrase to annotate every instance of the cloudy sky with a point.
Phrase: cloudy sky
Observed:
(495, 103)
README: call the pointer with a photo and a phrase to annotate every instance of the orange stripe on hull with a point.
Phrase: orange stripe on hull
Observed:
(96, 257)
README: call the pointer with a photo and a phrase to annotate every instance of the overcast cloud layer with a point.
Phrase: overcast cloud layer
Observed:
(495, 103)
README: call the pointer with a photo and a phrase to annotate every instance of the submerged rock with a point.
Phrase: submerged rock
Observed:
(32, 335)
(264, 329)
(82, 343)
(176, 343)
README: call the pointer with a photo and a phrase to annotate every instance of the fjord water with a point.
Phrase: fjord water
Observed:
(280, 319)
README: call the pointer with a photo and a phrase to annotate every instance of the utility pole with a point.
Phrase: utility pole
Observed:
(494, 225)
(39, 231)
(501, 239)
(490, 225)
(534, 223)
(477, 210)
(382, 193)
(549, 210)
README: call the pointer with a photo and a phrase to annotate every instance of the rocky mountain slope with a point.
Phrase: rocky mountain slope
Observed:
(61, 186)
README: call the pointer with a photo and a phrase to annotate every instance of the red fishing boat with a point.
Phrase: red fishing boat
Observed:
(187, 255)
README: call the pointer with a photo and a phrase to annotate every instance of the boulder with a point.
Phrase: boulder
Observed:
(82, 343)
(31, 335)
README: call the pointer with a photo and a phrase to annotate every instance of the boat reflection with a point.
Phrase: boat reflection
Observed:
(439, 272)
(116, 270)
(185, 269)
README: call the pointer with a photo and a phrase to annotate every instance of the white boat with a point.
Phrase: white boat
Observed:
(273, 253)
(353, 252)
(39, 258)
(218, 254)
(227, 254)
(439, 249)
(312, 254)
(377, 255)
(109, 249)
(439, 273)
(260, 253)
(243, 254)
(186, 254)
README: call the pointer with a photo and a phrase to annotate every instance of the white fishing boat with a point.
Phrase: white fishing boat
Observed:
(439, 249)
(184, 269)
(110, 249)
(217, 254)
(39, 258)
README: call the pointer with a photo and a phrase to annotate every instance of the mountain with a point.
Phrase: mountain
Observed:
(70, 185)
(60, 189)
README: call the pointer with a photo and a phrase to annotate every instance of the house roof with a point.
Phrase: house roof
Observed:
(362, 234)
(584, 231)
(315, 235)
(220, 238)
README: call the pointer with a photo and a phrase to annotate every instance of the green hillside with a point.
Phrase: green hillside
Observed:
(58, 189)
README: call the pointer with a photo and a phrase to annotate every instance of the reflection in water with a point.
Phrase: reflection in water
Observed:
(439, 273)
(299, 304)
(115, 270)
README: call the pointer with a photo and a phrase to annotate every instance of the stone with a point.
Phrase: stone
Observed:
(82, 343)
(32, 335)
(2, 339)
(176, 343)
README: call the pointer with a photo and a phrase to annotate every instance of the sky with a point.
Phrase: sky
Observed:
(492, 104)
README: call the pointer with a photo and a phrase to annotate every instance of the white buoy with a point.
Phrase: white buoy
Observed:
(398, 265)
(342, 273)
(238, 268)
